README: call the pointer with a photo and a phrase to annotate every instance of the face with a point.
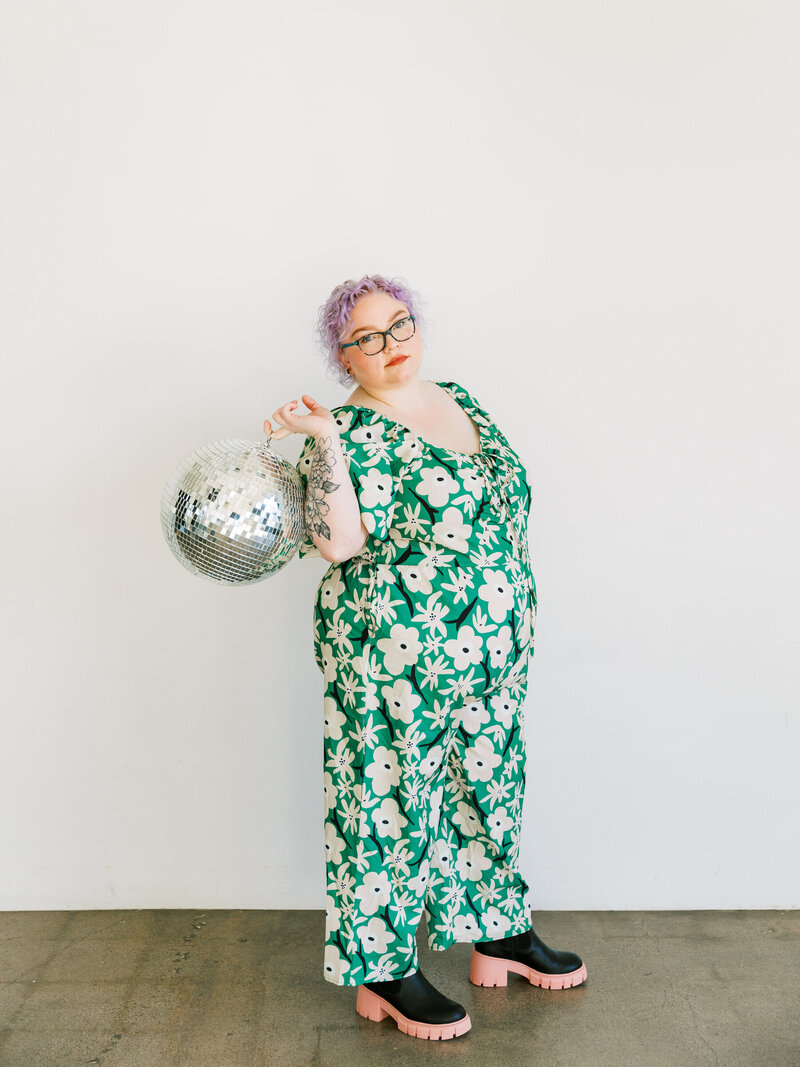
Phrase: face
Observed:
(378, 311)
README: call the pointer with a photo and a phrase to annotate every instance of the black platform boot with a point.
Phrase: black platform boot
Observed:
(418, 1008)
(528, 955)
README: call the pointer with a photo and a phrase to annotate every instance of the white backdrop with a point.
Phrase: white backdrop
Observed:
(598, 203)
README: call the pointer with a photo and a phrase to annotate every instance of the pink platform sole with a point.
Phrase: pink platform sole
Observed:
(371, 1006)
(489, 970)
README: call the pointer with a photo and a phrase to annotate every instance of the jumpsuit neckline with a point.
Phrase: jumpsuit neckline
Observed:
(442, 448)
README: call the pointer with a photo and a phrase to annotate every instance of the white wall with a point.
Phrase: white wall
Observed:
(599, 205)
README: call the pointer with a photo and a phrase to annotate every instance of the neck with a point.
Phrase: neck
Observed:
(401, 397)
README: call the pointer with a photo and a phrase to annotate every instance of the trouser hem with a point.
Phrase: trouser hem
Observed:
(345, 980)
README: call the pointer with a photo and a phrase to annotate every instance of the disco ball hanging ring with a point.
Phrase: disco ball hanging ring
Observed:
(232, 511)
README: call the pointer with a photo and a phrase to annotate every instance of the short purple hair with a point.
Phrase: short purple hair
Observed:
(334, 315)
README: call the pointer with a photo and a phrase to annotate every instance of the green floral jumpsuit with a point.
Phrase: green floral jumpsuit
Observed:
(423, 641)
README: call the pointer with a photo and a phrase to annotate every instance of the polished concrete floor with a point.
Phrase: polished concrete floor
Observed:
(241, 988)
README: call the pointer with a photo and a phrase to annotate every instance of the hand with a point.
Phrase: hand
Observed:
(319, 421)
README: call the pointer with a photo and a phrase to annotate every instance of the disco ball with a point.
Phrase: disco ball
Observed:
(232, 512)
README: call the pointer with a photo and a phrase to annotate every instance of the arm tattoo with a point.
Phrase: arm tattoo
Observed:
(319, 485)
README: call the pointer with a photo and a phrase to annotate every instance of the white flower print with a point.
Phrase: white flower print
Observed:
(342, 884)
(376, 489)
(363, 854)
(411, 524)
(408, 741)
(343, 420)
(331, 589)
(465, 648)
(433, 614)
(388, 819)
(438, 485)
(335, 965)
(472, 716)
(375, 935)
(333, 915)
(370, 437)
(410, 450)
(472, 861)
(498, 593)
(365, 733)
(431, 761)
(418, 885)
(442, 857)
(383, 970)
(411, 788)
(333, 718)
(432, 644)
(483, 560)
(329, 792)
(350, 812)
(503, 707)
(495, 924)
(488, 892)
(435, 557)
(369, 666)
(499, 646)
(400, 904)
(384, 770)
(373, 892)
(416, 580)
(333, 844)
(435, 809)
(466, 819)
(462, 686)
(428, 674)
(472, 481)
(452, 531)
(341, 760)
(401, 699)
(339, 630)
(399, 858)
(467, 928)
(328, 661)
(349, 689)
(400, 649)
(497, 790)
(460, 582)
(385, 608)
(446, 927)
(480, 759)
(499, 823)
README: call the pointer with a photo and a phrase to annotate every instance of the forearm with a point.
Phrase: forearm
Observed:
(332, 514)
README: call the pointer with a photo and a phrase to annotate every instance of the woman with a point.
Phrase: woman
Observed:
(423, 628)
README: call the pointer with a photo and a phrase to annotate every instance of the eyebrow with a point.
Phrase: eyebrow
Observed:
(360, 328)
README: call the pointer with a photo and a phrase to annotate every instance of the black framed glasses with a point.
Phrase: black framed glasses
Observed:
(373, 343)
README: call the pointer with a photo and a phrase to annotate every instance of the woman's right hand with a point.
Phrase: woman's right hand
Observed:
(319, 421)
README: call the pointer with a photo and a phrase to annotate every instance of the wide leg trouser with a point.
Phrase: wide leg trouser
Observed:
(423, 812)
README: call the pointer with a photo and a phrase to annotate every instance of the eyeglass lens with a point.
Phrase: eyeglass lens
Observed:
(372, 343)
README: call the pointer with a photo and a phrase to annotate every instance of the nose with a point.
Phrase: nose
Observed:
(391, 347)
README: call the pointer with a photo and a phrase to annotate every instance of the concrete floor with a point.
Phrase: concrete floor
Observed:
(244, 988)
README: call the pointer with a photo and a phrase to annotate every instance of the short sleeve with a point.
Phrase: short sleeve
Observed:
(303, 467)
(369, 454)
(484, 414)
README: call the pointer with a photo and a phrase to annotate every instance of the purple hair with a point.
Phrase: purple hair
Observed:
(334, 315)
